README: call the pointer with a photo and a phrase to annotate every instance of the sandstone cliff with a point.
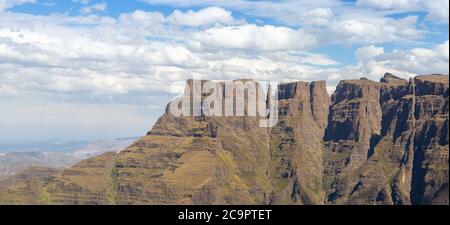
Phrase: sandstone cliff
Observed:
(370, 143)
(296, 144)
(387, 142)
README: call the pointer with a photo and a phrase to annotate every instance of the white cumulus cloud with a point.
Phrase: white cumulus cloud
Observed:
(252, 37)
(436, 9)
(374, 61)
(132, 59)
(204, 16)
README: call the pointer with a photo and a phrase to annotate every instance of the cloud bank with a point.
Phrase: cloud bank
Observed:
(133, 58)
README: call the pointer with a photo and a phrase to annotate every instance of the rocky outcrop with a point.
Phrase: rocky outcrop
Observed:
(355, 117)
(372, 143)
(296, 147)
(196, 160)
(431, 148)
(387, 142)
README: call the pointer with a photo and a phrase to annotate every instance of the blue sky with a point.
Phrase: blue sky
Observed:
(90, 69)
(115, 8)
(438, 32)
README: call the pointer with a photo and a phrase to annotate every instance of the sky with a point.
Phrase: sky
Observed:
(99, 69)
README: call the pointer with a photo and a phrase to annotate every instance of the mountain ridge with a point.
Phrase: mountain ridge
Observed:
(369, 143)
(16, 161)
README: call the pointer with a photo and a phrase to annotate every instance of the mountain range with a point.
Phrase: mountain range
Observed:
(377, 143)
(46, 154)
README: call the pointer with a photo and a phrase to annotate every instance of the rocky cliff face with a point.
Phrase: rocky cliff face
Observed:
(296, 144)
(387, 142)
(196, 160)
(371, 143)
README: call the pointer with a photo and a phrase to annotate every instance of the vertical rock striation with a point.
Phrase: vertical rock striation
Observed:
(197, 160)
(387, 142)
(372, 142)
(296, 148)
(431, 146)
